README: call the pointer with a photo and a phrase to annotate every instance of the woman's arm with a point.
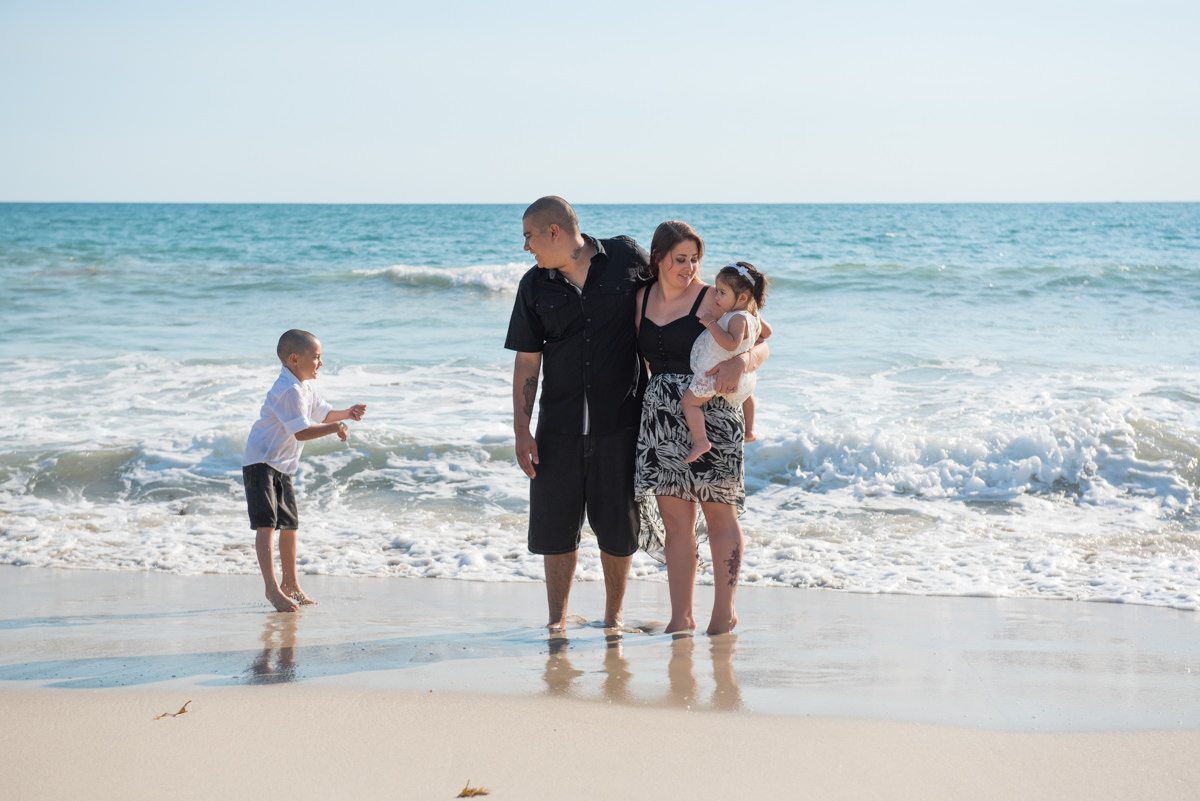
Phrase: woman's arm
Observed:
(729, 372)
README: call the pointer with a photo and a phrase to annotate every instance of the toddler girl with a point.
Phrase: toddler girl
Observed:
(739, 291)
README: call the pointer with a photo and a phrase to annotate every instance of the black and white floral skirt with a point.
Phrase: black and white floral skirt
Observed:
(663, 444)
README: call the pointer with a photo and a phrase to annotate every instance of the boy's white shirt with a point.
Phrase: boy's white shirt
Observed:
(292, 405)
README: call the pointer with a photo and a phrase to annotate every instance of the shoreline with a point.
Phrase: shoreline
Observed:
(1000, 664)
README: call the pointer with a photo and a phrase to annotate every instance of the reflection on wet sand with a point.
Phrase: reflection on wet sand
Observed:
(276, 662)
(617, 674)
(573, 669)
(726, 693)
(563, 678)
(681, 672)
(559, 674)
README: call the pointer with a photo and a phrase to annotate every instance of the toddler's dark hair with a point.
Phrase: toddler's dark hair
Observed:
(742, 276)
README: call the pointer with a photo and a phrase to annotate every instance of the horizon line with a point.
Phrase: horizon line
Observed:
(595, 203)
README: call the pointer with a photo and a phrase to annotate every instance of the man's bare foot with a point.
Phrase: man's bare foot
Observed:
(561, 625)
(281, 602)
(699, 449)
(750, 437)
(299, 597)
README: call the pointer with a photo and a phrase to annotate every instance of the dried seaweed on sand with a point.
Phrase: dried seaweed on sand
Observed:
(468, 791)
(181, 711)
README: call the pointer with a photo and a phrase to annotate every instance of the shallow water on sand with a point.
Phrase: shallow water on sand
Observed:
(1003, 664)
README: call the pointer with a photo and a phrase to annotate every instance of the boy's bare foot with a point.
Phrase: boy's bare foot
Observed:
(281, 602)
(699, 449)
(299, 597)
(750, 436)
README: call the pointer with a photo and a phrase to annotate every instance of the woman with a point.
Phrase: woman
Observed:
(668, 313)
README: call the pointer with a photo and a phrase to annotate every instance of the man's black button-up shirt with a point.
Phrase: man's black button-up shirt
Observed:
(587, 340)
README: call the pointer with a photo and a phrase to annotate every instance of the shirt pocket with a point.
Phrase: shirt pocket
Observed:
(558, 313)
(608, 288)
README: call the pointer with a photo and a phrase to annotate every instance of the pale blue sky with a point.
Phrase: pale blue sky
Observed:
(736, 101)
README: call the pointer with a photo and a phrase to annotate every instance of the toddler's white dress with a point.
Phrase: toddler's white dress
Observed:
(707, 354)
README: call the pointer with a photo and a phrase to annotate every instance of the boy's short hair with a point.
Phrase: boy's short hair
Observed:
(294, 341)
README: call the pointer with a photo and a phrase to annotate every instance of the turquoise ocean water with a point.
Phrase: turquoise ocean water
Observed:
(997, 400)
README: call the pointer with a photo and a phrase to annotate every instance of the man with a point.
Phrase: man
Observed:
(573, 323)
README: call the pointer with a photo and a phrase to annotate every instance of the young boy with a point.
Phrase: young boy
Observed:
(288, 419)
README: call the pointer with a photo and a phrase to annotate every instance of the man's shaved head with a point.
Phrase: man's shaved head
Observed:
(552, 210)
(295, 341)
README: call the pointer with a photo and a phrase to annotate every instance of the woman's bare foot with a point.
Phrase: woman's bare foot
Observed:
(750, 437)
(685, 625)
(715, 628)
(699, 449)
(297, 595)
(281, 602)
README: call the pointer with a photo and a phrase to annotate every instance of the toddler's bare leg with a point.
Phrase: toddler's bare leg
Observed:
(748, 413)
(694, 416)
(264, 542)
(287, 558)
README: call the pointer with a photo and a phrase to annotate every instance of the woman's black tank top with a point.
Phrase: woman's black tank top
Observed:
(668, 348)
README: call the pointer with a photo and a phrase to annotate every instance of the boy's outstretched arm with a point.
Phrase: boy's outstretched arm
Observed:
(355, 412)
(323, 430)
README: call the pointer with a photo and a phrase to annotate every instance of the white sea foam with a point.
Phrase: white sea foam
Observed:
(935, 417)
(853, 485)
(492, 277)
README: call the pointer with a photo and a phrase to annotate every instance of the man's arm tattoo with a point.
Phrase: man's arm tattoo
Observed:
(735, 566)
(530, 392)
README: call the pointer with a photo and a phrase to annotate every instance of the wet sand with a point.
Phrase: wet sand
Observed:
(407, 688)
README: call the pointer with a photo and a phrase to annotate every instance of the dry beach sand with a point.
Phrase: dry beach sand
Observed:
(410, 688)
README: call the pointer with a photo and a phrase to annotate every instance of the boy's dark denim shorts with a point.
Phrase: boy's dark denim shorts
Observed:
(270, 498)
(578, 475)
